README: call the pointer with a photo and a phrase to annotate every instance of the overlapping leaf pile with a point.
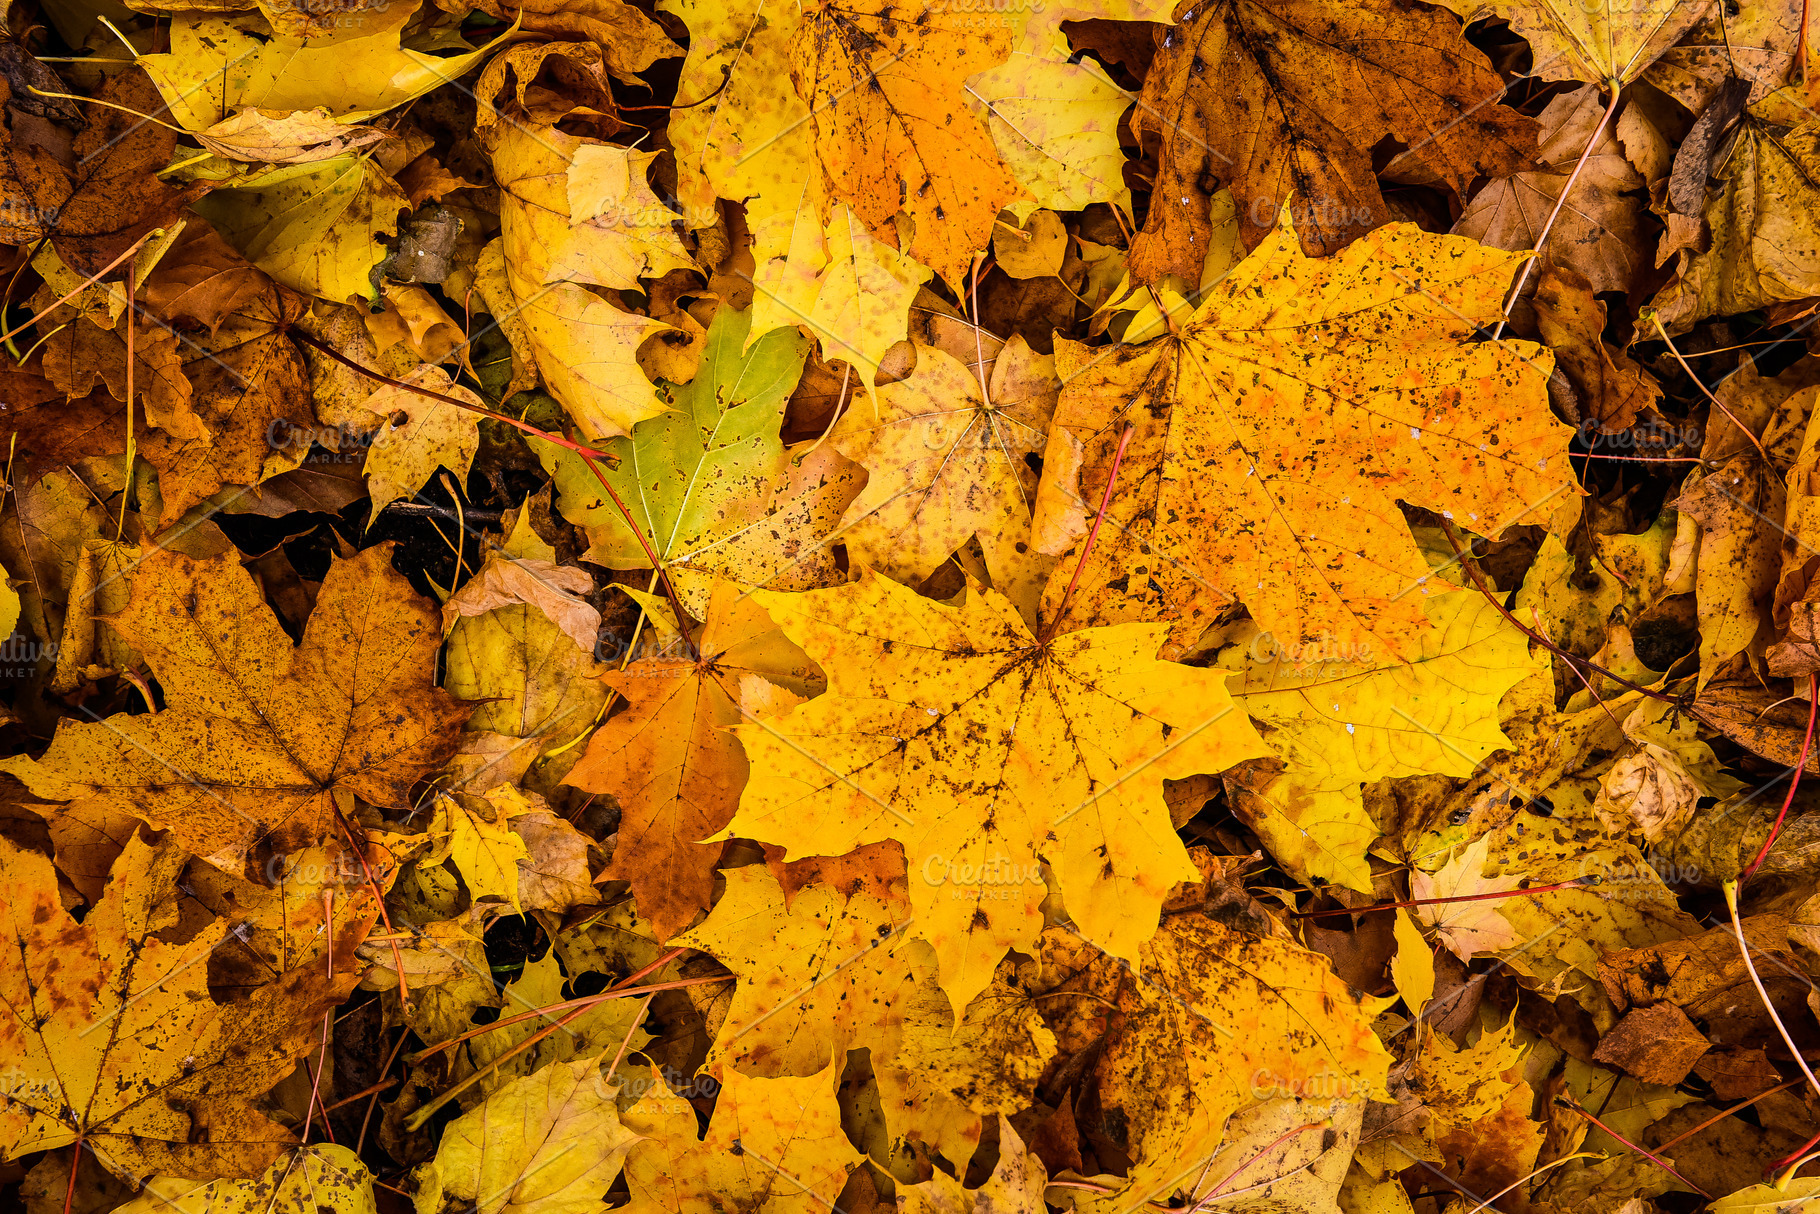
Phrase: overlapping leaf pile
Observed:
(972, 605)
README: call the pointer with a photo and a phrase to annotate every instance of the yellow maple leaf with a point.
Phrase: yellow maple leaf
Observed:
(1271, 440)
(1056, 124)
(114, 1040)
(487, 851)
(219, 64)
(324, 1179)
(1467, 928)
(522, 659)
(418, 436)
(885, 85)
(586, 350)
(826, 971)
(846, 286)
(1341, 718)
(946, 462)
(578, 210)
(775, 1146)
(549, 1142)
(1214, 1021)
(978, 746)
(1597, 43)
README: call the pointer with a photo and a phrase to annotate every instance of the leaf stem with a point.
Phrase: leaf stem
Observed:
(404, 990)
(1473, 573)
(1716, 1118)
(1656, 319)
(1061, 608)
(76, 290)
(1731, 904)
(589, 455)
(1576, 883)
(69, 1194)
(1794, 782)
(1516, 288)
(1643, 1151)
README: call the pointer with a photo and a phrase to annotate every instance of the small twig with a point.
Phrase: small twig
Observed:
(626, 1042)
(1716, 1118)
(1793, 1155)
(381, 1086)
(373, 1102)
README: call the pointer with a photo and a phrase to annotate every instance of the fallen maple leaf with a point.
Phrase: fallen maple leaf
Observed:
(577, 210)
(324, 1179)
(1763, 247)
(710, 483)
(363, 71)
(1271, 100)
(762, 1129)
(1593, 43)
(947, 460)
(829, 969)
(979, 746)
(258, 737)
(115, 1042)
(1211, 1020)
(535, 685)
(886, 91)
(668, 760)
(1265, 447)
(1467, 928)
(1340, 724)
(1609, 387)
(418, 435)
(547, 1143)
(1598, 232)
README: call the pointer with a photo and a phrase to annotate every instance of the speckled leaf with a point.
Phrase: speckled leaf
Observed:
(1272, 440)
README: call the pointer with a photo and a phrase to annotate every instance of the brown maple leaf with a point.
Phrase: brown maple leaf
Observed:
(1289, 99)
(257, 736)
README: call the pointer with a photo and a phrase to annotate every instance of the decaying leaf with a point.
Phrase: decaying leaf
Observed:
(259, 738)
(1291, 98)
(115, 1041)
